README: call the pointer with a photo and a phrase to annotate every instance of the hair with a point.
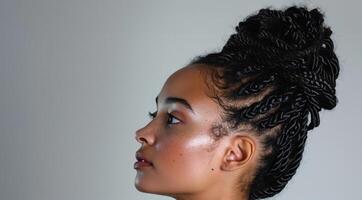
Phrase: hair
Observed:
(281, 62)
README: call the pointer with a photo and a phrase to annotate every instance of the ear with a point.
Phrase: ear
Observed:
(239, 152)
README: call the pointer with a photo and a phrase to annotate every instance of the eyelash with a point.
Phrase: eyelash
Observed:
(153, 115)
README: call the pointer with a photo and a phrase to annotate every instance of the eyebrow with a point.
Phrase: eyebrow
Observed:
(170, 100)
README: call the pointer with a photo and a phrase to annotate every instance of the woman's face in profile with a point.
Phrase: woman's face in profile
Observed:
(178, 141)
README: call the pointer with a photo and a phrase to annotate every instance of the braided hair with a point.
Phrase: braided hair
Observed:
(285, 61)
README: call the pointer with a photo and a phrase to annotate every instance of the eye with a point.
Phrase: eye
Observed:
(170, 119)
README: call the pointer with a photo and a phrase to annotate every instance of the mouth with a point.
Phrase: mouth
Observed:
(142, 162)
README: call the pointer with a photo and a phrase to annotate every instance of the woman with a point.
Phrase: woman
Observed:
(233, 124)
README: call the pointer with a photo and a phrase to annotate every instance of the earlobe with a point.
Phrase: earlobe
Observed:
(238, 153)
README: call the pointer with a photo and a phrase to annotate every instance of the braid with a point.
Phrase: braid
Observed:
(284, 61)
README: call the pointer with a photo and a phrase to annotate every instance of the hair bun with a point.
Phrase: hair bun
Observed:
(295, 45)
(295, 28)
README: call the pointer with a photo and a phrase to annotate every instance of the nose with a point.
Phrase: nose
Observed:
(145, 136)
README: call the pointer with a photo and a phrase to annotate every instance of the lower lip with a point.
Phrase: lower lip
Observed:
(139, 165)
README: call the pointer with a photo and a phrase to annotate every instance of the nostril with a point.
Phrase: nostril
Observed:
(140, 139)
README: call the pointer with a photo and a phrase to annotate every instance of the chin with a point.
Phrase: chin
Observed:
(143, 187)
(140, 188)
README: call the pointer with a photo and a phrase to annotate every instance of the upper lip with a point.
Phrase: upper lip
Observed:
(141, 157)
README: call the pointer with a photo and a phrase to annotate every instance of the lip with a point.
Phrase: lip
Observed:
(140, 165)
(142, 161)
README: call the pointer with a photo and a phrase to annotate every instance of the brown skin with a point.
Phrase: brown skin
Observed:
(188, 164)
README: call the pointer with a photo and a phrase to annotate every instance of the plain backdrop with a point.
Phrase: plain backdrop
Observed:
(78, 77)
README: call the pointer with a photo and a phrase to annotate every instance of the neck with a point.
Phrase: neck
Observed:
(219, 193)
(211, 197)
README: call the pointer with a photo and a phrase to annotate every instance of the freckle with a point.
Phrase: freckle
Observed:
(180, 154)
(173, 160)
(212, 169)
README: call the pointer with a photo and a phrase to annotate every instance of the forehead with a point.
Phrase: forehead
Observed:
(189, 83)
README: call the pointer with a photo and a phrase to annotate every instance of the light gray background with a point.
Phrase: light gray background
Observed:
(77, 79)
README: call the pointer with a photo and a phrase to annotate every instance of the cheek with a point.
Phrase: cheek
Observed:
(182, 161)
(188, 149)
